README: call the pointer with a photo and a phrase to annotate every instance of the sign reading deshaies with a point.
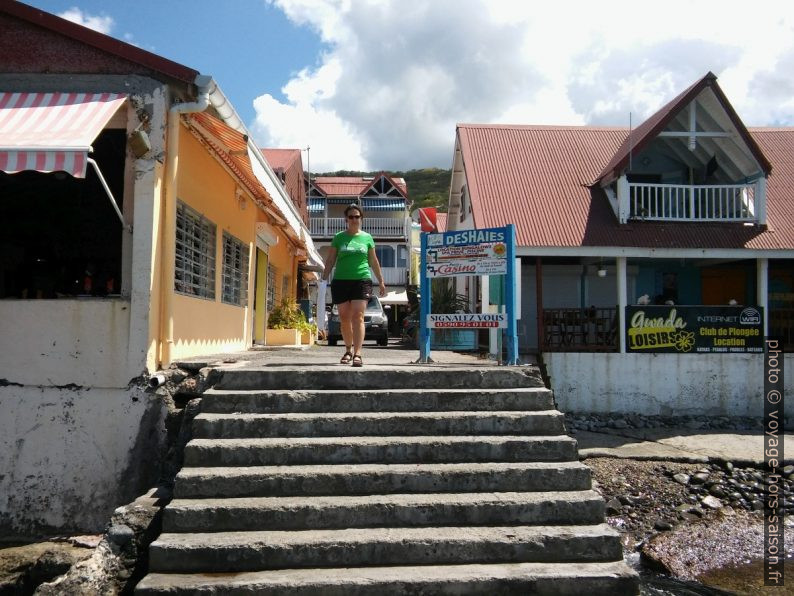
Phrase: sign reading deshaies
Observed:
(488, 251)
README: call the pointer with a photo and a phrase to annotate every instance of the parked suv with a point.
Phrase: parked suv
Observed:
(376, 323)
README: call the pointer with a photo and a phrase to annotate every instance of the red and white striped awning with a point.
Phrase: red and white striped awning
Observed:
(51, 132)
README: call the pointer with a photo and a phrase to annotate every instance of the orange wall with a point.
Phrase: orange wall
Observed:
(204, 326)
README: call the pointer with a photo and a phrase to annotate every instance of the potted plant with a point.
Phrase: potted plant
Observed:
(287, 325)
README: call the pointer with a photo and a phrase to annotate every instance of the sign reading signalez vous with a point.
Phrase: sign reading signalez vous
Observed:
(695, 329)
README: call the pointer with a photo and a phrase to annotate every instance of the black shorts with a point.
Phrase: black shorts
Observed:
(343, 290)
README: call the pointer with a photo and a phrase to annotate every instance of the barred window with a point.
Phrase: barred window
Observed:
(284, 286)
(271, 287)
(234, 276)
(194, 265)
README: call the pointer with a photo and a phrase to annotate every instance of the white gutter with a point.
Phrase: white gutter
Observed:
(205, 86)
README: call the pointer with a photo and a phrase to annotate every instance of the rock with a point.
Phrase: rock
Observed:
(717, 491)
(681, 478)
(619, 423)
(683, 507)
(120, 534)
(757, 505)
(193, 386)
(696, 511)
(729, 467)
(788, 470)
(699, 478)
(663, 525)
(689, 517)
(711, 502)
(23, 568)
(613, 506)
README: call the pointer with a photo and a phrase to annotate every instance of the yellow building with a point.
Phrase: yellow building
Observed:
(153, 232)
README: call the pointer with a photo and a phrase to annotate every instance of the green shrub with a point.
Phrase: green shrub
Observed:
(288, 315)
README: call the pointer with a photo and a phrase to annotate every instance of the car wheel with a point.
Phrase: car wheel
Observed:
(332, 341)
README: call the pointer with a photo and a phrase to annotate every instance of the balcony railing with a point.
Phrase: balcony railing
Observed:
(379, 227)
(683, 202)
(394, 276)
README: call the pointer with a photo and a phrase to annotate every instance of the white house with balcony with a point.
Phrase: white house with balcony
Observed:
(688, 219)
(384, 202)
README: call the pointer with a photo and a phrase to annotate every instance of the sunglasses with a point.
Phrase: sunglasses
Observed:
(354, 217)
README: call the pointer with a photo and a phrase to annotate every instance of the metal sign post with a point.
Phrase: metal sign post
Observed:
(489, 251)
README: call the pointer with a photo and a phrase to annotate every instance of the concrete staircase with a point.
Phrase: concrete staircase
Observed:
(364, 481)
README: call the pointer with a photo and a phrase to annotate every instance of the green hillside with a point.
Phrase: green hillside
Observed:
(428, 187)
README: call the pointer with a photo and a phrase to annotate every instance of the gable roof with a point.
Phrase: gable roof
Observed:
(539, 178)
(347, 186)
(99, 41)
(639, 138)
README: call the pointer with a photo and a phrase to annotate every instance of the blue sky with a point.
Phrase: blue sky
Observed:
(380, 84)
(248, 46)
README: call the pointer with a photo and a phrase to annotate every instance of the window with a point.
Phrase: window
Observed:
(271, 287)
(194, 267)
(385, 255)
(234, 279)
(402, 256)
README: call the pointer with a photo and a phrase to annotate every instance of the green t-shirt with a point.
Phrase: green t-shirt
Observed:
(352, 255)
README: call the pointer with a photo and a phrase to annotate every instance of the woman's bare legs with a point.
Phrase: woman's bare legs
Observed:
(357, 308)
(345, 326)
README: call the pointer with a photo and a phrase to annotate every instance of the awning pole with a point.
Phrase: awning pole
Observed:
(110, 194)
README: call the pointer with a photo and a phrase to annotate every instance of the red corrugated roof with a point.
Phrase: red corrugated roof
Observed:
(538, 178)
(100, 41)
(281, 158)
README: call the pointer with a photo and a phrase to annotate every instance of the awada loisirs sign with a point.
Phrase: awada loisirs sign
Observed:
(695, 329)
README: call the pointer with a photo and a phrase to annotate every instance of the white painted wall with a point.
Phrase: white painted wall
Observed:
(69, 457)
(70, 341)
(663, 384)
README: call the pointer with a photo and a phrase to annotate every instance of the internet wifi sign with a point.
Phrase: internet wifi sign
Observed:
(488, 251)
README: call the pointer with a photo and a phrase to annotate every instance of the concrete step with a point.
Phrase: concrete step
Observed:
(263, 481)
(395, 510)
(229, 426)
(370, 400)
(396, 449)
(345, 377)
(506, 579)
(222, 552)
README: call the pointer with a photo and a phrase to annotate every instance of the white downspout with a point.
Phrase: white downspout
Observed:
(168, 229)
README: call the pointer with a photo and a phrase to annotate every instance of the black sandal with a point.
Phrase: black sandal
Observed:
(346, 358)
(357, 361)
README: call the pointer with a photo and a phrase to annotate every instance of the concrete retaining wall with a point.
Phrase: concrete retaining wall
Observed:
(663, 384)
(62, 342)
(68, 458)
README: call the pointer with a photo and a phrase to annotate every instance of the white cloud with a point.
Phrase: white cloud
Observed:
(396, 76)
(103, 24)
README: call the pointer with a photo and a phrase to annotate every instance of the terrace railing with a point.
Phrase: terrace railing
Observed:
(379, 227)
(580, 330)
